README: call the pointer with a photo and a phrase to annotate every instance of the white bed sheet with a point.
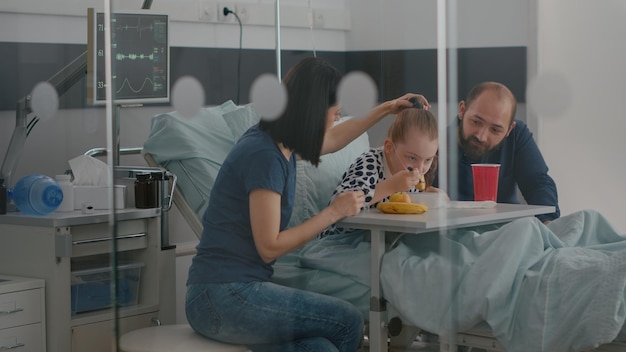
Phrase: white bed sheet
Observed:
(555, 288)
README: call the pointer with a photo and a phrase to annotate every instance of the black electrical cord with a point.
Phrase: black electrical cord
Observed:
(146, 5)
(227, 11)
(31, 124)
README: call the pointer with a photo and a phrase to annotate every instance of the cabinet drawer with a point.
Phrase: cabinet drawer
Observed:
(27, 338)
(20, 308)
(96, 238)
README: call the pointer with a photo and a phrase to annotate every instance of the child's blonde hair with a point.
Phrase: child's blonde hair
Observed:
(425, 122)
(421, 119)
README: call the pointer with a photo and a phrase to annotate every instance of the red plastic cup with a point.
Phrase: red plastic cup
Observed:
(485, 181)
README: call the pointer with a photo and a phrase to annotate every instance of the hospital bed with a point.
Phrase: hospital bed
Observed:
(193, 149)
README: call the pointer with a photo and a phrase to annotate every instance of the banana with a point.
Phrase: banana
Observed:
(421, 184)
(402, 208)
(400, 197)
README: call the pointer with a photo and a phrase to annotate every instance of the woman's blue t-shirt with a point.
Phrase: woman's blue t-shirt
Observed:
(226, 252)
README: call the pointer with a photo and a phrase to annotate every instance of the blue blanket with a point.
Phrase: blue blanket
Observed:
(539, 288)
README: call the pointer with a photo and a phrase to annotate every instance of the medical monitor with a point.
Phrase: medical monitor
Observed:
(140, 58)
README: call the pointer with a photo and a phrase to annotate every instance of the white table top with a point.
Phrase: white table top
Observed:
(433, 219)
(73, 218)
(9, 283)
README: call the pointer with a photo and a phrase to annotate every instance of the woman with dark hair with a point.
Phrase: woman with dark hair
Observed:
(229, 294)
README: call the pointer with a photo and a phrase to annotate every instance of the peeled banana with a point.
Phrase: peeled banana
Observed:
(421, 184)
(401, 208)
(400, 197)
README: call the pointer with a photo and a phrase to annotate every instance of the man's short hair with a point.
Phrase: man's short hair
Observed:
(500, 89)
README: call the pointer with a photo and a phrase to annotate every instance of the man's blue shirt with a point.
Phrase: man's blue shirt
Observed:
(521, 165)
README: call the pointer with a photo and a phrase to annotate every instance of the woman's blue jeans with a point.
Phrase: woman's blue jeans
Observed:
(270, 317)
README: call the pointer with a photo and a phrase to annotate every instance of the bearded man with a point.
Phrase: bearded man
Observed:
(487, 132)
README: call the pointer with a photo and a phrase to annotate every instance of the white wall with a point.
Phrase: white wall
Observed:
(412, 24)
(583, 43)
(65, 21)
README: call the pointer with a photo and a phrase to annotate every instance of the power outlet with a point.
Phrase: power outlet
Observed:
(207, 11)
(230, 18)
(319, 19)
(244, 13)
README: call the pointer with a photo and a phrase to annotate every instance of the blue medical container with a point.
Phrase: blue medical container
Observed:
(36, 194)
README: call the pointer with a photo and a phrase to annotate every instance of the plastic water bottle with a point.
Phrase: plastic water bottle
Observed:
(37, 195)
(65, 182)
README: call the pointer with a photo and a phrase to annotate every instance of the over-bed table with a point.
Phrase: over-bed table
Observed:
(434, 220)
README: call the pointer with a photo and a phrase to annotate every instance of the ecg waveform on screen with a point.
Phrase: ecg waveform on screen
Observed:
(121, 57)
(138, 27)
(146, 81)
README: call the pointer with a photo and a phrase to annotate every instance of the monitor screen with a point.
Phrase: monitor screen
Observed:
(139, 58)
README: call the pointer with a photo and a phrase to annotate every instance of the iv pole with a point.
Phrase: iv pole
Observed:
(277, 25)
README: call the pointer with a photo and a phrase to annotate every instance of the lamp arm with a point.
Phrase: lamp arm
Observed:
(62, 81)
(69, 75)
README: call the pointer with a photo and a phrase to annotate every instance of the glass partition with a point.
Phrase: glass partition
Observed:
(175, 80)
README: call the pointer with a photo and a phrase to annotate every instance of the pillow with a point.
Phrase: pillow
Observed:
(206, 135)
(193, 149)
(240, 119)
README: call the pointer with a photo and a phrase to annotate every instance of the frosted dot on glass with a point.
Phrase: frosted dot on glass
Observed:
(268, 96)
(549, 95)
(357, 93)
(44, 101)
(187, 96)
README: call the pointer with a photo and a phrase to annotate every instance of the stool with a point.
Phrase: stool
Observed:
(172, 338)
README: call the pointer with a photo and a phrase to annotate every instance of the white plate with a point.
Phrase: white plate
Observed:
(430, 199)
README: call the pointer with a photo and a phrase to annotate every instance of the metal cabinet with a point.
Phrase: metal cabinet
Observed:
(55, 246)
(22, 314)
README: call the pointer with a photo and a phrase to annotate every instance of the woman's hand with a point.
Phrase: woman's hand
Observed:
(404, 102)
(346, 204)
(341, 134)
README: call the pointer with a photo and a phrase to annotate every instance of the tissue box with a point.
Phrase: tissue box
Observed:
(98, 196)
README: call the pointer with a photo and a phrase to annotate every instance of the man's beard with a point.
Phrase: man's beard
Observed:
(474, 149)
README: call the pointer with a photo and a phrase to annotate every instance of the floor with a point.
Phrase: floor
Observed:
(420, 344)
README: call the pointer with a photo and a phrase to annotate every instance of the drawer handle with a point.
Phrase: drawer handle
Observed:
(105, 239)
(12, 311)
(6, 348)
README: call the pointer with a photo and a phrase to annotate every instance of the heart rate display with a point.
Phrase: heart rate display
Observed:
(139, 58)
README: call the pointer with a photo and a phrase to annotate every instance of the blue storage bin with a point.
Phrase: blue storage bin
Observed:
(91, 288)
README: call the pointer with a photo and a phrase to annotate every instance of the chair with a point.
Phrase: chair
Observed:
(172, 338)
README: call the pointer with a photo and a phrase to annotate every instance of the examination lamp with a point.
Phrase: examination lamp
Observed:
(62, 81)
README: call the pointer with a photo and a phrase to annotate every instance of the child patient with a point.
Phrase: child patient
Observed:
(408, 155)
